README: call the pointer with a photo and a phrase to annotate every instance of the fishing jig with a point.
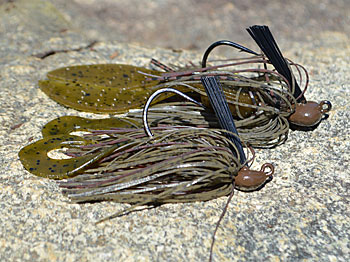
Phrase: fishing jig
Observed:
(115, 88)
(262, 129)
(306, 113)
(180, 164)
(181, 155)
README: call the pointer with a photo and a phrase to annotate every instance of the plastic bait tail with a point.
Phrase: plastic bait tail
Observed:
(36, 160)
(103, 88)
(69, 124)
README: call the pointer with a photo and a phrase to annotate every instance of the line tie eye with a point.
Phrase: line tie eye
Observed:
(270, 169)
(326, 106)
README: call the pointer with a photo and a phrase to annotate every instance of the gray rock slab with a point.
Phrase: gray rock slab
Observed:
(35, 27)
(302, 215)
(195, 24)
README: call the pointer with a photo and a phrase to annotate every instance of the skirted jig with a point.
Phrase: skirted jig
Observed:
(172, 151)
(250, 91)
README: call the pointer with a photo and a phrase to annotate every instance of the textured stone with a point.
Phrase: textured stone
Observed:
(303, 214)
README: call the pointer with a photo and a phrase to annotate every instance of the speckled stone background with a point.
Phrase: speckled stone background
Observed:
(302, 215)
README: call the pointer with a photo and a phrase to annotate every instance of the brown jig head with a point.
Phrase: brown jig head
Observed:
(309, 114)
(250, 180)
(246, 179)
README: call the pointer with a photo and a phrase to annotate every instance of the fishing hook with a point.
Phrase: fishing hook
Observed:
(228, 43)
(153, 96)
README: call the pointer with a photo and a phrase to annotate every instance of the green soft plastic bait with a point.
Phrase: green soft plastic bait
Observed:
(69, 124)
(117, 88)
(35, 159)
(102, 88)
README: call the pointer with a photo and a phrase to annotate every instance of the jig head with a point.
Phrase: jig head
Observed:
(246, 179)
(306, 113)
(309, 114)
(250, 180)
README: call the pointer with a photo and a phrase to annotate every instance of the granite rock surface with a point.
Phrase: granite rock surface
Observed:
(302, 215)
